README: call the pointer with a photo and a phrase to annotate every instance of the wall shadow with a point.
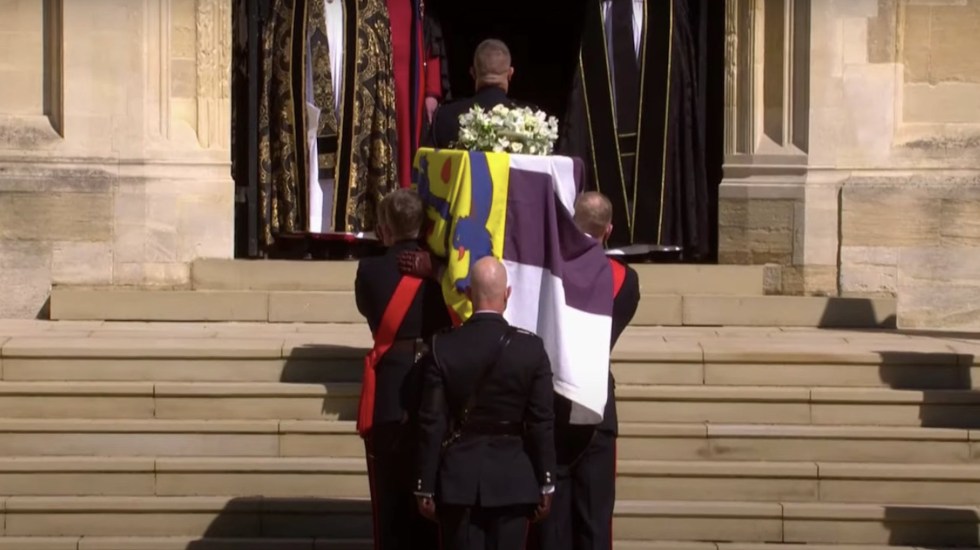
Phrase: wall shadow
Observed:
(44, 312)
(854, 313)
(335, 367)
(932, 527)
(289, 523)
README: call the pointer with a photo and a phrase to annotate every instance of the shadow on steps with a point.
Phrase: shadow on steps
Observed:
(932, 527)
(945, 381)
(329, 365)
(289, 523)
(323, 364)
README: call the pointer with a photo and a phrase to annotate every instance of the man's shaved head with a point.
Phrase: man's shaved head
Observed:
(488, 285)
(492, 64)
(593, 214)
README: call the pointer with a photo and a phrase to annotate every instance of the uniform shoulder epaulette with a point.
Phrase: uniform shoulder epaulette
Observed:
(524, 332)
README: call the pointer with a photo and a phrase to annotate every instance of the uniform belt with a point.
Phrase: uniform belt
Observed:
(413, 346)
(478, 427)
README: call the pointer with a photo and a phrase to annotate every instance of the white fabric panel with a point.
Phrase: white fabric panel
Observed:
(561, 170)
(320, 193)
(573, 338)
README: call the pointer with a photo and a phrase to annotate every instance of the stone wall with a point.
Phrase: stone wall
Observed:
(882, 198)
(114, 144)
(917, 237)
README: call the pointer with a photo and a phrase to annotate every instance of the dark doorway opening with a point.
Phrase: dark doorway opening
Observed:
(543, 36)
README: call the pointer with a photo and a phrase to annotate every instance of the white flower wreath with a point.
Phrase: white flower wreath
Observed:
(504, 129)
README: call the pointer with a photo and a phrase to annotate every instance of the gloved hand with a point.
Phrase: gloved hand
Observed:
(417, 263)
(427, 507)
(543, 508)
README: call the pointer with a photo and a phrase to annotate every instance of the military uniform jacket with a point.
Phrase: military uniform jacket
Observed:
(445, 121)
(573, 440)
(377, 278)
(624, 308)
(487, 470)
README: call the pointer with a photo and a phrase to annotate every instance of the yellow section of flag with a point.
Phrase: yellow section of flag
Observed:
(465, 193)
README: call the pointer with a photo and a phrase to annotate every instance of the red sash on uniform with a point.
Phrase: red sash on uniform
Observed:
(454, 317)
(619, 276)
(391, 321)
(619, 279)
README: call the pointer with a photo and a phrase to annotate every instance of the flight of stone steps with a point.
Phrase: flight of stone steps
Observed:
(322, 292)
(128, 435)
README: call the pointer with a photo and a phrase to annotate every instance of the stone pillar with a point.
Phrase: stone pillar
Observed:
(114, 145)
(765, 194)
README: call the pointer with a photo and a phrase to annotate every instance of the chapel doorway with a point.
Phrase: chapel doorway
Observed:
(543, 36)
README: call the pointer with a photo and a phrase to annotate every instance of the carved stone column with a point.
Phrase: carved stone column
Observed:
(761, 210)
(214, 73)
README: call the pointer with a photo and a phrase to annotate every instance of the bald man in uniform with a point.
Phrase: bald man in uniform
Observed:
(583, 508)
(492, 73)
(486, 452)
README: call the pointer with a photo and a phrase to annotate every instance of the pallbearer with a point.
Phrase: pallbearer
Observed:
(403, 312)
(486, 452)
(582, 512)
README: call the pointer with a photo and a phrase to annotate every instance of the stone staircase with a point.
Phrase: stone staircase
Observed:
(322, 292)
(239, 435)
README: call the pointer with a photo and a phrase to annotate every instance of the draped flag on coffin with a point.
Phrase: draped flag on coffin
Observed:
(518, 208)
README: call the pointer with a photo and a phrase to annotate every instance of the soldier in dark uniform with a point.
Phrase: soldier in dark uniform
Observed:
(403, 312)
(492, 73)
(486, 426)
(583, 508)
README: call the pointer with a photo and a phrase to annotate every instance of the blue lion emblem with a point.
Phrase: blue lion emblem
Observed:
(469, 233)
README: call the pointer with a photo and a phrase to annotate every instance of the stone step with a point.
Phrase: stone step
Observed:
(641, 521)
(675, 545)
(343, 478)
(154, 437)
(338, 401)
(214, 274)
(798, 523)
(644, 356)
(799, 405)
(118, 304)
(319, 438)
(194, 543)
